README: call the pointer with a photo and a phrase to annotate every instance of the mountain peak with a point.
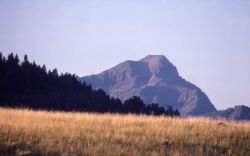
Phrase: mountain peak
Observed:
(155, 79)
(154, 56)
(159, 65)
(155, 59)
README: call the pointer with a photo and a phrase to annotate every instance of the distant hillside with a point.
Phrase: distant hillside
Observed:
(237, 113)
(155, 79)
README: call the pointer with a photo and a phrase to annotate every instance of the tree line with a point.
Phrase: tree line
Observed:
(26, 84)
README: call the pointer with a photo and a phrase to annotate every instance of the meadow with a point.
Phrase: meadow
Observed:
(27, 132)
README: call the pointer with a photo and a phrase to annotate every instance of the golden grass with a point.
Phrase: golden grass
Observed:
(26, 132)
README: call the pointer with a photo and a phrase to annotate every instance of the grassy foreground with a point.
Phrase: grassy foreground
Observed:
(25, 132)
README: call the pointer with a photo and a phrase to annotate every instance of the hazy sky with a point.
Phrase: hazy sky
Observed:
(207, 40)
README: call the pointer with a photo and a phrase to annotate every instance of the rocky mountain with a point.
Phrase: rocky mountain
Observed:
(237, 113)
(155, 79)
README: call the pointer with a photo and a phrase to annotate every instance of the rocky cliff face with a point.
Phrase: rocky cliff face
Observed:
(155, 79)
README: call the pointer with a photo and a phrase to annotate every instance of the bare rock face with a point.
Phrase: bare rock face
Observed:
(155, 79)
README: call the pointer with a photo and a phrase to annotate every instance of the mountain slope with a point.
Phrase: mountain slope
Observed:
(237, 113)
(155, 79)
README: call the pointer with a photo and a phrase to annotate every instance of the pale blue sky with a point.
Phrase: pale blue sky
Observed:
(208, 40)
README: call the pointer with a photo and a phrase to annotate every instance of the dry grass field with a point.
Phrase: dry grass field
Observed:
(25, 132)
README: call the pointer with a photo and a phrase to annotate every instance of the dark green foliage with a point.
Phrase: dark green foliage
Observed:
(29, 85)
